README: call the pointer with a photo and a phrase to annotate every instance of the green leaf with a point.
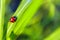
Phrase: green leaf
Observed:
(2, 12)
(54, 36)
(26, 17)
(19, 12)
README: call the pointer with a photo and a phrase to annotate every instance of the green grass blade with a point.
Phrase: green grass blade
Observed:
(26, 17)
(22, 7)
(2, 12)
(52, 11)
(55, 35)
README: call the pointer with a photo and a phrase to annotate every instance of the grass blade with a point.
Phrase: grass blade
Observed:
(55, 35)
(22, 7)
(2, 12)
(26, 17)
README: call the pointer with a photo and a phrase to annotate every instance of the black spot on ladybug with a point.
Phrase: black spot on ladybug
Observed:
(13, 19)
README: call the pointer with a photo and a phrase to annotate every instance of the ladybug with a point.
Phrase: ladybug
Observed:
(13, 19)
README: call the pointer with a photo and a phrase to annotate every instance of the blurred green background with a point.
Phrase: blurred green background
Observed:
(36, 20)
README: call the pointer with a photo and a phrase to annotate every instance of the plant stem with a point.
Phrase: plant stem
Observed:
(2, 12)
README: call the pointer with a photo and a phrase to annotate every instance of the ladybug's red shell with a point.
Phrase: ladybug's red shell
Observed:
(13, 19)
